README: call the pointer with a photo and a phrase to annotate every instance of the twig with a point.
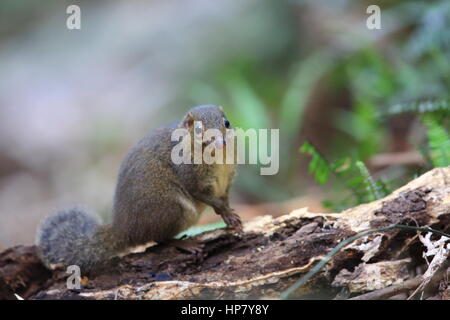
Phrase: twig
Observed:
(439, 260)
(390, 291)
(286, 294)
(397, 158)
(400, 288)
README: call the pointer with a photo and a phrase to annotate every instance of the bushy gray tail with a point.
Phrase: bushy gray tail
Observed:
(74, 237)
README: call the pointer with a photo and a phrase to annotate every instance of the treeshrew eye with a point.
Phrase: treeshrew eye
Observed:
(227, 123)
(198, 128)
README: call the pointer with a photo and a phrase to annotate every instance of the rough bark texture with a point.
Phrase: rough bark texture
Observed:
(267, 258)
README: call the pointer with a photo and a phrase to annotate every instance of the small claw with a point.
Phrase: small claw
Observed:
(233, 221)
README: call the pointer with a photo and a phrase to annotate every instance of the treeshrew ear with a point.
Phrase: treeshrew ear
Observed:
(188, 120)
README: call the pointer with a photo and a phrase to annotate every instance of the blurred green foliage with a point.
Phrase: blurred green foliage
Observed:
(193, 231)
(406, 73)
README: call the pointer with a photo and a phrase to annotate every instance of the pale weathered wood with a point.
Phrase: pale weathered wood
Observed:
(271, 254)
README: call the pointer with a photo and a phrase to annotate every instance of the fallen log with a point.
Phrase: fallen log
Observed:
(267, 258)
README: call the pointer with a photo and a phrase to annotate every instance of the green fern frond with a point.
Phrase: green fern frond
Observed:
(421, 107)
(354, 175)
(319, 167)
(373, 188)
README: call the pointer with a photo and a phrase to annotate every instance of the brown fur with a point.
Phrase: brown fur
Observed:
(154, 198)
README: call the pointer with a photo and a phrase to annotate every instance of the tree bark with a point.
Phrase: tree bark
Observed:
(269, 256)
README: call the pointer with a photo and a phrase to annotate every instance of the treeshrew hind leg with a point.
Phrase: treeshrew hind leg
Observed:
(188, 246)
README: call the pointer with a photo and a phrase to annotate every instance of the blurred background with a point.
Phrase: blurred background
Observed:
(72, 102)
